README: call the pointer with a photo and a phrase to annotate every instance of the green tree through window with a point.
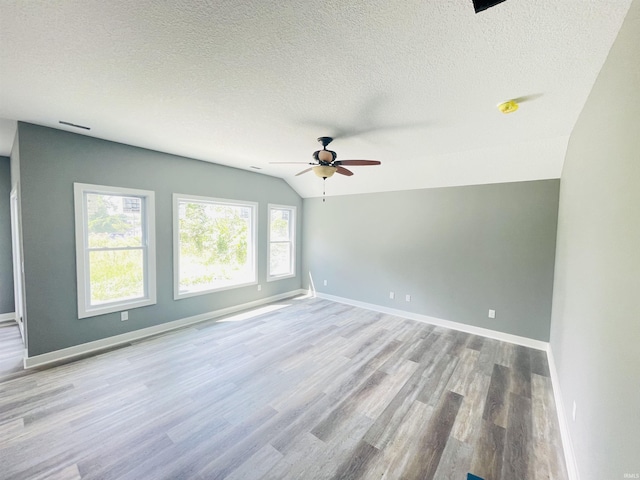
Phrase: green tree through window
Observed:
(116, 265)
(215, 245)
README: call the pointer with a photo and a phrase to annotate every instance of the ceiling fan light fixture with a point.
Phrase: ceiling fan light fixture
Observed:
(324, 171)
(325, 155)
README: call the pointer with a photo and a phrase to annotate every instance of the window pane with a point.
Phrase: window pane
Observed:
(114, 221)
(116, 275)
(280, 259)
(279, 225)
(215, 245)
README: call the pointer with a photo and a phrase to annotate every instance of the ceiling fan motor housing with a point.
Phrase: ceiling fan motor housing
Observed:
(324, 156)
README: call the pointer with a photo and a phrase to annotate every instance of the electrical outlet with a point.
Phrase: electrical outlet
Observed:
(392, 295)
(407, 298)
(124, 316)
(325, 283)
(492, 314)
(573, 414)
(259, 287)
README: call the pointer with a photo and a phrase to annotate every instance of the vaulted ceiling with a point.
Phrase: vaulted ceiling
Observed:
(414, 84)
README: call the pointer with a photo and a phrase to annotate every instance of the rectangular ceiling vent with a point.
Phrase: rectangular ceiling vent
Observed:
(69, 124)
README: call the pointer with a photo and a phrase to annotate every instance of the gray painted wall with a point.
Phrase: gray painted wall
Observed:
(51, 161)
(6, 261)
(595, 328)
(457, 251)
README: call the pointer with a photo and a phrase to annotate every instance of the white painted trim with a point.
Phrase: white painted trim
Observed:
(77, 350)
(7, 317)
(485, 332)
(85, 309)
(563, 420)
(293, 226)
(17, 260)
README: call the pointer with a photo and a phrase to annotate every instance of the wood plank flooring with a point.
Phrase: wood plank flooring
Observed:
(306, 389)
(11, 349)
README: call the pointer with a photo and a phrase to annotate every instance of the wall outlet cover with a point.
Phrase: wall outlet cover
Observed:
(124, 316)
(492, 314)
(392, 295)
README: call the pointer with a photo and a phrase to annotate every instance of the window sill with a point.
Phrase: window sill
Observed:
(115, 307)
(180, 296)
(280, 277)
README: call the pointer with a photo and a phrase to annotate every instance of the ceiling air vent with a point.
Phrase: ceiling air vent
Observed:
(69, 124)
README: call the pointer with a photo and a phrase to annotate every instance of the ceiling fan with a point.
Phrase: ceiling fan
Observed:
(326, 165)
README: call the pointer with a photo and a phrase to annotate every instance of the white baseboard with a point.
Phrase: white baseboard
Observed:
(563, 420)
(7, 317)
(102, 344)
(485, 332)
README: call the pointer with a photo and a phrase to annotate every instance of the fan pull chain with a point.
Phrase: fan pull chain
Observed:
(324, 185)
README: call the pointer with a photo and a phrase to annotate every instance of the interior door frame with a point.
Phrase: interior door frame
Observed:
(18, 263)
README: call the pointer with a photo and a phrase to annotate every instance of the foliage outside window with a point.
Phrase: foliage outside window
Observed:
(282, 227)
(214, 244)
(115, 248)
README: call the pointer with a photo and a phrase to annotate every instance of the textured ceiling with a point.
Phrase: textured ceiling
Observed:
(415, 83)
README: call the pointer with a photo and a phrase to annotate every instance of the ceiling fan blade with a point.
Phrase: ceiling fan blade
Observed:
(344, 171)
(290, 163)
(304, 171)
(356, 162)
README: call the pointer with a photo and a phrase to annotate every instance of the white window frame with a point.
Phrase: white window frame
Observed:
(85, 309)
(293, 225)
(253, 252)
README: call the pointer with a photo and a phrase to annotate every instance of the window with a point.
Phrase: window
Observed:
(115, 248)
(282, 254)
(214, 245)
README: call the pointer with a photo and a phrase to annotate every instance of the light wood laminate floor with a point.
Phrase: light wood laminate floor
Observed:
(11, 350)
(309, 389)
